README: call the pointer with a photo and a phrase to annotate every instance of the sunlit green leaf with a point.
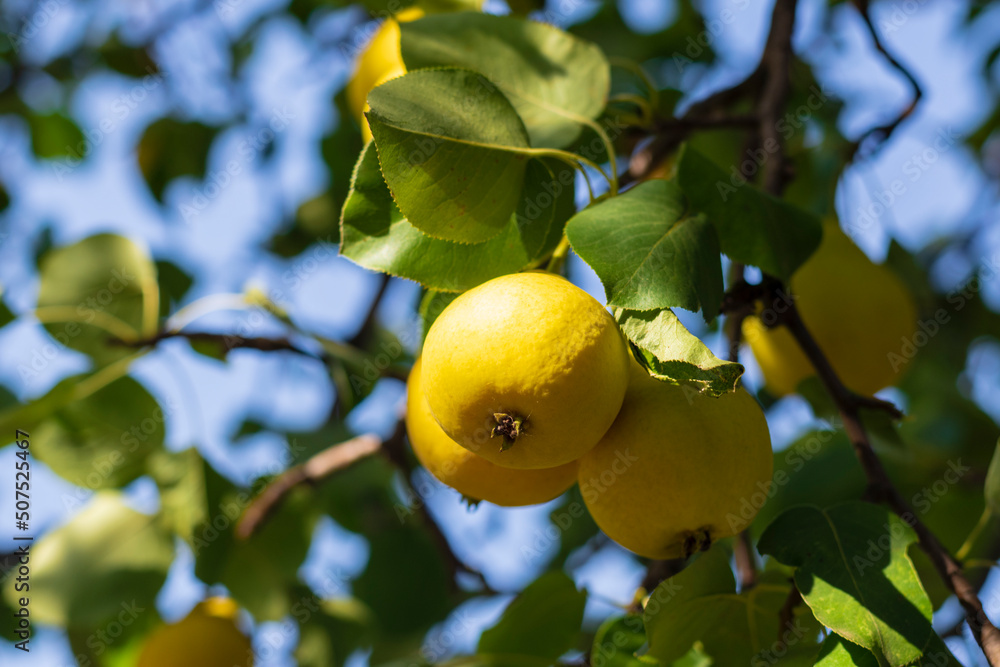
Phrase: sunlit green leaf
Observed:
(453, 152)
(649, 252)
(852, 569)
(553, 79)
(98, 289)
(674, 354)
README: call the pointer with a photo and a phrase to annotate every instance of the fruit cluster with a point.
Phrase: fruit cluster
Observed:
(526, 385)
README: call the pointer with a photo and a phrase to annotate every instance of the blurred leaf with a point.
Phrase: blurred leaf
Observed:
(674, 354)
(455, 167)
(257, 571)
(648, 252)
(174, 284)
(170, 148)
(376, 236)
(754, 227)
(133, 61)
(609, 29)
(4, 202)
(543, 620)
(552, 78)
(103, 277)
(180, 479)
(992, 487)
(106, 560)
(618, 640)
(103, 439)
(405, 582)
(332, 630)
(56, 136)
(6, 316)
(819, 468)
(699, 606)
(575, 525)
(853, 571)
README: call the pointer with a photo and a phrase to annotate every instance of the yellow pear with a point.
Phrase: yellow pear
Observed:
(470, 474)
(207, 637)
(379, 62)
(860, 313)
(678, 469)
(526, 370)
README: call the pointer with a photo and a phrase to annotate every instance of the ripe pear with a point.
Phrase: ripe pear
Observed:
(379, 62)
(468, 473)
(860, 313)
(678, 469)
(207, 637)
(526, 370)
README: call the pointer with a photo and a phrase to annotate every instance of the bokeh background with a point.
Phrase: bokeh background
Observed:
(254, 81)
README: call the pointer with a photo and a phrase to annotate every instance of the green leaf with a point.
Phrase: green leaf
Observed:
(56, 136)
(553, 79)
(97, 289)
(174, 284)
(180, 479)
(375, 234)
(132, 61)
(674, 354)
(649, 252)
(103, 439)
(852, 569)
(6, 316)
(170, 148)
(838, 652)
(754, 227)
(992, 487)
(329, 635)
(618, 640)
(108, 556)
(453, 151)
(543, 620)
(259, 570)
(700, 606)
(405, 582)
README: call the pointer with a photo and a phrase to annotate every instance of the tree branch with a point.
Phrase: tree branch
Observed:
(882, 133)
(318, 468)
(227, 341)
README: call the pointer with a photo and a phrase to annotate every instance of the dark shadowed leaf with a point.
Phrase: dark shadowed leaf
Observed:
(170, 148)
(754, 227)
(542, 621)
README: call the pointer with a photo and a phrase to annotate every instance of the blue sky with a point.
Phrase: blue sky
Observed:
(289, 78)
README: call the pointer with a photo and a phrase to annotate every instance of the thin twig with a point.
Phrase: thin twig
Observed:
(226, 341)
(316, 469)
(746, 561)
(776, 64)
(883, 132)
(368, 324)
